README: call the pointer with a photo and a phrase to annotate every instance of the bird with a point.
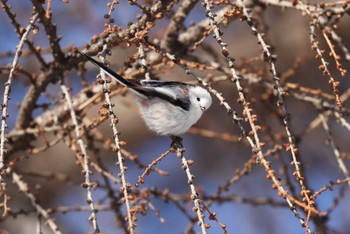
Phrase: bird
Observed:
(168, 108)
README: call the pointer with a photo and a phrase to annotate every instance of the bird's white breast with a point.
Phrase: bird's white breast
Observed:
(166, 119)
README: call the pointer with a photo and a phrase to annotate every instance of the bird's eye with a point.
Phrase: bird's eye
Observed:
(198, 99)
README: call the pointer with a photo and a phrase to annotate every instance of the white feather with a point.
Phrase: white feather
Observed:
(165, 118)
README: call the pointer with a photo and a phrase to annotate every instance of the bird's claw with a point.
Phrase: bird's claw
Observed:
(176, 143)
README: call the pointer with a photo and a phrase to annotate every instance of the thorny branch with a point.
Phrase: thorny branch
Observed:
(114, 120)
(86, 159)
(194, 195)
(23, 187)
(4, 107)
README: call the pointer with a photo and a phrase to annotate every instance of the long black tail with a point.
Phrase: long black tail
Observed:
(145, 92)
(109, 71)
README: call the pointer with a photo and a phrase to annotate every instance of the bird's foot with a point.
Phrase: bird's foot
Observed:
(176, 143)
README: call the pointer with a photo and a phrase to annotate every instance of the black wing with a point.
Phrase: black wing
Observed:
(158, 83)
(182, 102)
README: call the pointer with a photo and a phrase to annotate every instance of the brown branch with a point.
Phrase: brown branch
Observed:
(51, 31)
(23, 187)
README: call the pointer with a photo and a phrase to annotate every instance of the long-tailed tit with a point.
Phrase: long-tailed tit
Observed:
(167, 107)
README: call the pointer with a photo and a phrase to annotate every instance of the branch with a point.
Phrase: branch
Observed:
(23, 187)
(4, 106)
(86, 159)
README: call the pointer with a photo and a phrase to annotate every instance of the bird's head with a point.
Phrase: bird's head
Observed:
(200, 97)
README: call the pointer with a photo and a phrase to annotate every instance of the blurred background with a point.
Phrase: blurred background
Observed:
(47, 161)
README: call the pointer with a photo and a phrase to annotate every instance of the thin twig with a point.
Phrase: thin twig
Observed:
(86, 159)
(114, 120)
(334, 147)
(140, 179)
(194, 195)
(5, 103)
(23, 186)
(143, 59)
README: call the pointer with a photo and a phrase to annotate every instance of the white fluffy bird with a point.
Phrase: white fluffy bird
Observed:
(167, 107)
